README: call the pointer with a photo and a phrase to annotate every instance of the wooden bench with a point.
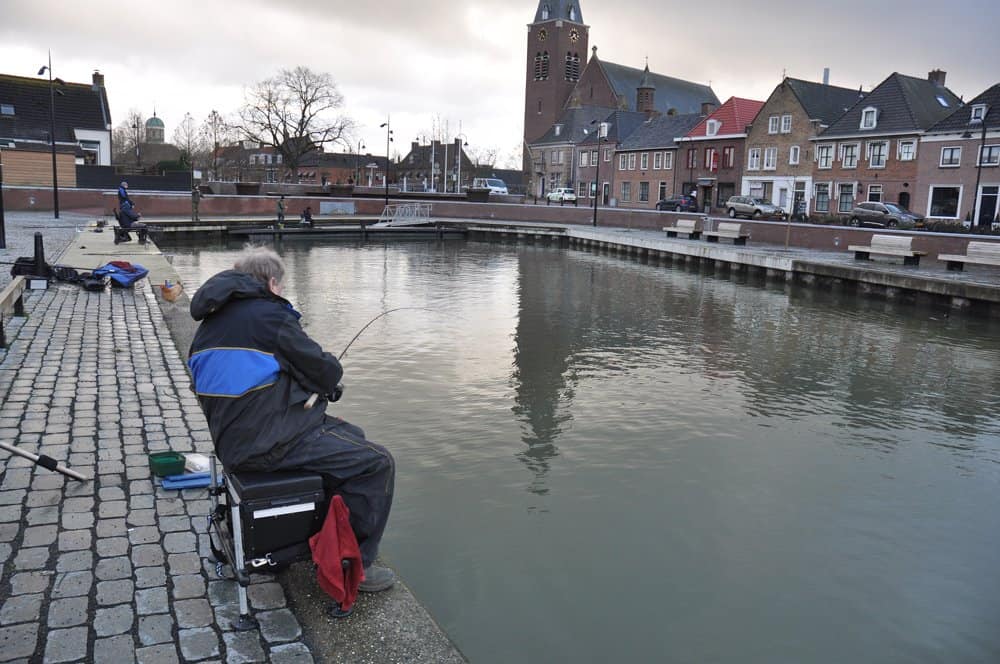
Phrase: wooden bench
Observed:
(899, 246)
(683, 227)
(978, 253)
(121, 232)
(11, 302)
(728, 231)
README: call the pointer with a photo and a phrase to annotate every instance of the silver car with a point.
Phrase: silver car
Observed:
(752, 208)
(882, 215)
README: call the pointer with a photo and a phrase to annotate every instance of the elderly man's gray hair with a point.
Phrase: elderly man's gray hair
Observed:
(262, 263)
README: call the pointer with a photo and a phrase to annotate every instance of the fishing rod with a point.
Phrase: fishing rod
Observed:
(315, 397)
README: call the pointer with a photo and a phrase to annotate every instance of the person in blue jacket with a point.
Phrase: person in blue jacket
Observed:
(254, 370)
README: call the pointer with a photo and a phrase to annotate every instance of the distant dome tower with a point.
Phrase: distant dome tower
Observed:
(155, 129)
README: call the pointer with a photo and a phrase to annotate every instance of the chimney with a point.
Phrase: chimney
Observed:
(414, 145)
(937, 77)
(98, 80)
(826, 76)
(707, 108)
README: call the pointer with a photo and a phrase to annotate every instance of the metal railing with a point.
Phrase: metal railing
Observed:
(405, 214)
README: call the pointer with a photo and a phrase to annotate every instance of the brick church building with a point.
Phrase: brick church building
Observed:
(566, 95)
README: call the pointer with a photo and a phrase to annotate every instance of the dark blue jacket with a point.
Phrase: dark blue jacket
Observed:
(123, 196)
(254, 368)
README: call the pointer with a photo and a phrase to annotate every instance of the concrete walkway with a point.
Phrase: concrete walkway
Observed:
(116, 569)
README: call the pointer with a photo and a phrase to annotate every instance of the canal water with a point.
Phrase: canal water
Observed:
(604, 460)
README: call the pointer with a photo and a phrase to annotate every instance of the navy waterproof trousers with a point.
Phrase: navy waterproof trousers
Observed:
(360, 471)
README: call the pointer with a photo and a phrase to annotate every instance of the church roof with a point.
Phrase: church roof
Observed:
(154, 122)
(566, 10)
(684, 96)
(571, 124)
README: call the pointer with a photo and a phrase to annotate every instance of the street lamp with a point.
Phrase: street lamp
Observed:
(52, 130)
(388, 140)
(465, 144)
(357, 162)
(3, 226)
(979, 167)
(135, 125)
(602, 133)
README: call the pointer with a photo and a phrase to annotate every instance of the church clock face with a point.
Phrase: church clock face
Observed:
(574, 35)
(543, 34)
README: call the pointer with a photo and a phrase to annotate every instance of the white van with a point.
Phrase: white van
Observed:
(493, 184)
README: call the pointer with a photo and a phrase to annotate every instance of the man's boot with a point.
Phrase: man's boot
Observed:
(377, 579)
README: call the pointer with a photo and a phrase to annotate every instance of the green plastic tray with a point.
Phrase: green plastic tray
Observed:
(166, 463)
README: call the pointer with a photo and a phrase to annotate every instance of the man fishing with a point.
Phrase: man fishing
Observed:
(255, 370)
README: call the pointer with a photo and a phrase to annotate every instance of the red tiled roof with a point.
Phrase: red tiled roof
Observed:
(734, 115)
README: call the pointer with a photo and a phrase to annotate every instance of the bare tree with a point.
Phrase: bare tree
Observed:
(216, 133)
(127, 137)
(513, 159)
(483, 156)
(188, 140)
(295, 112)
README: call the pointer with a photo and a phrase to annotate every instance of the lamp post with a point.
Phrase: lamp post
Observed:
(979, 169)
(215, 121)
(357, 163)
(602, 133)
(458, 158)
(388, 140)
(135, 125)
(3, 226)
(52, 131)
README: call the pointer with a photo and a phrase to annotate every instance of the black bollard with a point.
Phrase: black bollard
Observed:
(41, 267)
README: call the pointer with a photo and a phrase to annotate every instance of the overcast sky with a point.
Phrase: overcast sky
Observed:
(464, 61)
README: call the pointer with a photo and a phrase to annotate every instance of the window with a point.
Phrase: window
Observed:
(581, 189)
(712, 127)
(668, 160)
(593, 189)
(622, 162)
(786, 124)
(545, 12)
(593, 158)
(644, 161)
(657, 161)
(607, 154)
(877, 153)
(662, 192)
(874, 193)
(631, 161)
(906, 150)
(824, 156)
(6, 109)
(773, 124)
(729, 157)
(572, 67)
(554, 156)
(643, 192)
(978, 112)
(822, 198)
(712, 159)
(692, 158)
(869, 118)
(846, 197)
(989, 155)
(793, 155)
(558, 129)
(944, 202)
(539, 106)
(849, 155)
(951, 157)
(626, 191)
(753, 160)
(584, 159)
(770, 159)
(541, 68)
(545, 66)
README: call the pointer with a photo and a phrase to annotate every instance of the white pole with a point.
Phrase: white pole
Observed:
(445, 162)
(433, 167)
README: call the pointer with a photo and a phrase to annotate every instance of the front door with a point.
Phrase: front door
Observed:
(904, 200)
(606, 194)
(706, 198)
(988, 198)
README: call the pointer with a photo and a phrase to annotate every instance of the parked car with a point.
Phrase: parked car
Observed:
(493, 184)
(562, 195)
(883, 215)
(755, 208)
(679, 203)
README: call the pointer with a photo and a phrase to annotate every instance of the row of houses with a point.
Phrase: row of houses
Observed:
(811, 148)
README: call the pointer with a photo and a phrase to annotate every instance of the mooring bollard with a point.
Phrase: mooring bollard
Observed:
(41, 267)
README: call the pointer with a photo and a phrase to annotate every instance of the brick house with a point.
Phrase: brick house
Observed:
(712, 152)
(870, 153)
(645, 166)
(778, 165)
(82, 129)
(618, 126)
(958, 168)
(553, 157)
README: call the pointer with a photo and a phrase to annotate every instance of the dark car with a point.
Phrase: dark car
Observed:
(677, 204)
(883, 215)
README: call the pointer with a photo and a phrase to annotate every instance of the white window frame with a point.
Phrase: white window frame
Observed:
(900, 155)
(627, 191)
(978, 113)
(640, 197)
(829, 187)
(871, 152)
(729, 156)
(770, 159)
(773, 124)
(644, 161)
(854, 196)
(584, 158)
(712, 127)
(593, 157)
(607, 154)
(622, 161)
(753, 159)
(958, 164)
(979, 156)
(825, 150)
(631, 161)
(873, 112)
(786, 123)
(581, 190)
(930, 199)
(873, 189)
(843, 155)
(657, 161)
(794, 154)
(668, 161)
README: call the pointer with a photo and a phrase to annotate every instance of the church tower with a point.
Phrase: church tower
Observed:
(556, 55)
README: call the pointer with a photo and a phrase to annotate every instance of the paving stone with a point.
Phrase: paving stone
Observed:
(75, 561)
(114, 620)
(146, 517)
(68, 612)
(114, 568)
(180, 542)
(8, 531)
(112, 528)
(28, 559)
(161, 654)
(115, 592)
(156, 629)
(118, 649)
(112, 508)
(266, 596)
(15, 497)
(170, 507)
(187, 586)
(170, 524)
(75, 540)
(144, 502)
(291, 653)
(149, 577)
(111, 493)
(193, 613)
(243, 647)
(43, 498)
(73, 584)
(5, 552)
(151, 600)
(144, 535)
(40, 535)
(21, 608)
(147, 555)
(184, 563)
(65, 645)
(110, 547)
(41, 515)
(23, 583)
(10, 513)
(77, 520)
(223, 592)
(279, 626)
(198, 643)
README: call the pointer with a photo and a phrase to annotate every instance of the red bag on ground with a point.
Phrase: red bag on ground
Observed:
(333, 543)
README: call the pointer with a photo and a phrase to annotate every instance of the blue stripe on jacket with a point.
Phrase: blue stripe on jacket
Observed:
(232, 372)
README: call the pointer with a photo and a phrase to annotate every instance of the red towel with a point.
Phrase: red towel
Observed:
(333, 543)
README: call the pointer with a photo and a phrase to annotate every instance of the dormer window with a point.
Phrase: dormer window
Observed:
(572, 13)
(869, 118)
(558, 129)
(545, 12)
(6, 109)
(712, 127)
(978, 112)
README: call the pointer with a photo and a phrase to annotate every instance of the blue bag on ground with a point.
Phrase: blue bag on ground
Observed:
(122, 273)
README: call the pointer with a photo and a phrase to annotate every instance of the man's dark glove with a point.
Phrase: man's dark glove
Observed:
(337, 393)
